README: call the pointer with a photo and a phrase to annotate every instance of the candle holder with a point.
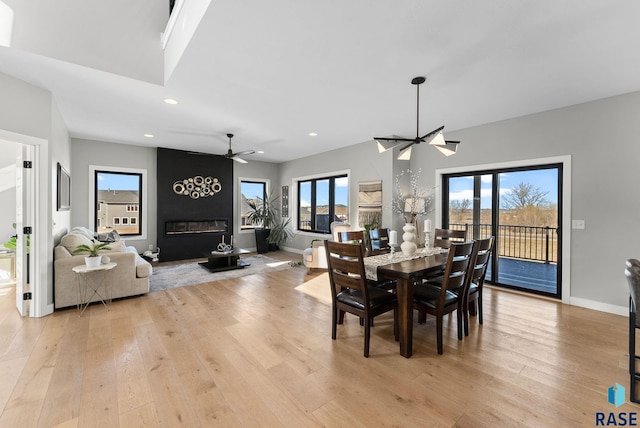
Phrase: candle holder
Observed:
(427, 239)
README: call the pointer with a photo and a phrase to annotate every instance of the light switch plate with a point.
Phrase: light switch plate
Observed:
(577, 224)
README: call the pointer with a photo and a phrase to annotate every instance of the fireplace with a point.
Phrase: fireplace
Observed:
(190, 225)
(185, 227)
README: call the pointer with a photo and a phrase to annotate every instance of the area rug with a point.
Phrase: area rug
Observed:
(191, 273)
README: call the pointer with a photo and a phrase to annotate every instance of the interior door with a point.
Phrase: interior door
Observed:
(24, 218)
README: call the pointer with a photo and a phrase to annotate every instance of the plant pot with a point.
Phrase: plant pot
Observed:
(262, 245)
(92, 262)
(273, 246)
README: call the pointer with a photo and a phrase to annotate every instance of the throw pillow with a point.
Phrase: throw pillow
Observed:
(112, 236)
(83, 231)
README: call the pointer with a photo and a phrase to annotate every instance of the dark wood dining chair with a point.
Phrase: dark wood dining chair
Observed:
(442, 300)
(379, 241)
(475, 281)
(443, 238)
(352, 236)
(352, 293)
(357, 236)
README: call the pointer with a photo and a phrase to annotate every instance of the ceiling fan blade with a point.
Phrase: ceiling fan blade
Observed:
(392, 139)
(246, 152)
(237, 159)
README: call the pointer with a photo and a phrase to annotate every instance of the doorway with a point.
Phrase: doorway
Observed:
(522, 207)
(34, 177)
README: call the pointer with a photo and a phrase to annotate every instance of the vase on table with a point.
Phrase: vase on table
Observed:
(408, 245)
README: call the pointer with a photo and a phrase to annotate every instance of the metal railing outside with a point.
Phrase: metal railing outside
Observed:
(539, 243)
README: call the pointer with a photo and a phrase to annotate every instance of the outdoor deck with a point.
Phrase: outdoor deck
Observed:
(533, 275)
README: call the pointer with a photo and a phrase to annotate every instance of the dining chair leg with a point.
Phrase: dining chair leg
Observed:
(439, 322)
(341, 317)
(334, 322)
(367, 336)
(479, 303)
(465, 321)
(422, 317)
(460, 326)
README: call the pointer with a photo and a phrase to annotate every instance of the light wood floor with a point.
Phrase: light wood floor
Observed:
(257, 351)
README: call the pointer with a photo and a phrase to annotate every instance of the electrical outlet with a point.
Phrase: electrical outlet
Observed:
(577, 224)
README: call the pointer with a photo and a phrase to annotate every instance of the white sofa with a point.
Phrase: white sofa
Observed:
(315, 257)
(129, 278)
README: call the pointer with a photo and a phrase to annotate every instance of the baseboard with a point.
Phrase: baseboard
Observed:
(599, 306)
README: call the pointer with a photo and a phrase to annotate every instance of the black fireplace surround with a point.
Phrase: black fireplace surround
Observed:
(190, 225)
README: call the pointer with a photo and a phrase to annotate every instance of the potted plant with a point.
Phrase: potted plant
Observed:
(93, 259)
(12, 243)
(262, 214)
(280, 233)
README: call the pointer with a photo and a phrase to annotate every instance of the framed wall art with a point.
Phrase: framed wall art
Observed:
(64, 189)
(285, 201)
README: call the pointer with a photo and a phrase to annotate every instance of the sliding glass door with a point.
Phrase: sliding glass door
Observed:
(520, 207)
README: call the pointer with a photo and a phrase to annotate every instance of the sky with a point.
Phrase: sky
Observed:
(109, 181)
(461, 188)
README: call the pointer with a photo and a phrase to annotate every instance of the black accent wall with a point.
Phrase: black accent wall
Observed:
(208, 173)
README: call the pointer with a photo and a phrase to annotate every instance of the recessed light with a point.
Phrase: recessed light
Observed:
(170, 101)
(260, 151)
(313, 134)
(148, 135)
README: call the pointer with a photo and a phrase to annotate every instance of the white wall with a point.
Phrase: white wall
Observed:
(601, 137)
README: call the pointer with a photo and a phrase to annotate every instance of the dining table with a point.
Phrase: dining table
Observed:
(406, 270)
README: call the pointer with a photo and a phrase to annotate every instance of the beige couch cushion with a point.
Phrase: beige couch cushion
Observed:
(115, 247)
(70, 241)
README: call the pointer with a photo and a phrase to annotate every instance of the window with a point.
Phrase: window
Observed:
(250, 190)
(321, 201)
(119, 197)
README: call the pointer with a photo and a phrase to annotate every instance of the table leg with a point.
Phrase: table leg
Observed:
(405, 315)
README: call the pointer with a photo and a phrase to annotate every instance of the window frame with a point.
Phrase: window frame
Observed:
(267, 188)
(314, 179)
(143, 219)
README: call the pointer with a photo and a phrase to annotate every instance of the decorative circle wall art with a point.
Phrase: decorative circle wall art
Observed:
(197, 187)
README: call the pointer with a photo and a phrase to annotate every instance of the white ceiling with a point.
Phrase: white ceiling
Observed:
(271, 72)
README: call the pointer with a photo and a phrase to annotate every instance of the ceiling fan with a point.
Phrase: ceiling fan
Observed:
(434, 138)
(236, 156)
